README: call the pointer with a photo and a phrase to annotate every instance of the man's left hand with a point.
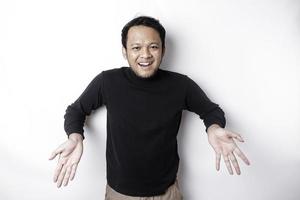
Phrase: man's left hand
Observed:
(222, 142)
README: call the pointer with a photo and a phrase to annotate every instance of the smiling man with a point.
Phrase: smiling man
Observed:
(143, 50)
(144, 107)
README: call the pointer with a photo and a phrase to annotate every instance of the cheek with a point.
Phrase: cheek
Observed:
(133, 56)
(157, 55)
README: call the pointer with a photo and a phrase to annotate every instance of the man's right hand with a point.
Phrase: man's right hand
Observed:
(69, 156)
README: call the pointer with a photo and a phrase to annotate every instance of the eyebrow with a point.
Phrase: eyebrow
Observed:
(149, 44)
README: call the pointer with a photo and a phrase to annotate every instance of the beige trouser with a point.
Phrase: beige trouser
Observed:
(172, 193)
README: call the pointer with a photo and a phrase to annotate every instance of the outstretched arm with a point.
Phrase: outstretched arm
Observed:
(90, 99)
(223, 144)
(214, 119)
(71, 150)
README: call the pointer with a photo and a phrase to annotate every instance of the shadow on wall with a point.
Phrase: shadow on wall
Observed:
(169, 59)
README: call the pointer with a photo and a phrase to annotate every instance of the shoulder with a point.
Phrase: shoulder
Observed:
(112, 71)
(183, 79)
(181, 76)
(173, 74)
(176, 78)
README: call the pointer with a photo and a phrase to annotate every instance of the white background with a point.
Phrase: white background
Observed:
(244, 54)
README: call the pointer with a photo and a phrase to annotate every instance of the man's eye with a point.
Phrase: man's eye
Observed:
(154, 47)
(136, 48)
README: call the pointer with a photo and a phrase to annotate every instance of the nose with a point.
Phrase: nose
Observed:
(146, 53)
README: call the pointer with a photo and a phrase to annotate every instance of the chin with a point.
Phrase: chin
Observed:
(143, 73)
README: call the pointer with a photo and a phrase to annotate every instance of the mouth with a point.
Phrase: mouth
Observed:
(145, 64)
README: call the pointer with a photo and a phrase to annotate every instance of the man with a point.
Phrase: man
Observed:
(144, 106)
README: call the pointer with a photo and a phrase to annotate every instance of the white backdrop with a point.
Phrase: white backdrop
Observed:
(244, 54)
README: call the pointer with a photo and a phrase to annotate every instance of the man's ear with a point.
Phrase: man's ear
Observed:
(124, 52)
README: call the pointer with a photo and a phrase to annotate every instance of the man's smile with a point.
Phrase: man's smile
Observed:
(145, 64)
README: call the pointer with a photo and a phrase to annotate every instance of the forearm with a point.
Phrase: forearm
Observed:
(215, 117)
(89, 100)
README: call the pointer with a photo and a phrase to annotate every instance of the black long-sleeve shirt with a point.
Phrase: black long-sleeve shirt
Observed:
(143, 118)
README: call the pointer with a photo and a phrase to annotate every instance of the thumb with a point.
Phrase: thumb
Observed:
(236, 136)
(56, 152)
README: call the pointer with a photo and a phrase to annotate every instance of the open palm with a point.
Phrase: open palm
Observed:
(69, 153)
(223, 144)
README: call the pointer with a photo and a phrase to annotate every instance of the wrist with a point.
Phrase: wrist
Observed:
(77, 137)
(213, 127)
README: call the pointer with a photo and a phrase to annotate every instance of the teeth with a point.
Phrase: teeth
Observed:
(144, 64)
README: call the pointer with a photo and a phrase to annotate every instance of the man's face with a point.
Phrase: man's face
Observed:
(144, 51)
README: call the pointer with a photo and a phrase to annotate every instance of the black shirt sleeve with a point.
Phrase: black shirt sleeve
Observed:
(90, 99)
(197, 101)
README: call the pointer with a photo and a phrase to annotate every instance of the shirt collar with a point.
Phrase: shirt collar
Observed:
(140, 80)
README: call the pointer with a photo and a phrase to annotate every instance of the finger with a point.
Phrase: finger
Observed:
(241, 155)
(74, 167)
(58, 169)
(236, 136)
(67, 175)
(227, 163)
(218, 158)
(55, 152)
(61, 176)
(235, 163)
(53, 155)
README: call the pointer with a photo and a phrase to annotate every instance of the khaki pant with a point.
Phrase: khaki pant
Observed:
(172, 193)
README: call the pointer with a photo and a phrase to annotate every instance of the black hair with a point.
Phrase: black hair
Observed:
(144, 21)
